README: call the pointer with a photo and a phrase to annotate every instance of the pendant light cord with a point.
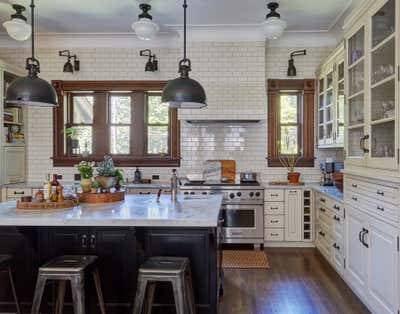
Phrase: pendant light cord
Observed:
(33, 29)
(184, 29)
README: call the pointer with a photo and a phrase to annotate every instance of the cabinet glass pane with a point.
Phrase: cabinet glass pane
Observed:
(383, 62)
(383, 23)
(340, 103)
(321, 101)
(356, 78)
(382, 141)
(329, 130)
(321, 117)
(341, 71)
(321, 85)
(321, 132)
(329, 97)
(328, 114)
(354, 142)
(329, 80)
(356, 110)
(356, 46)
(382, 101)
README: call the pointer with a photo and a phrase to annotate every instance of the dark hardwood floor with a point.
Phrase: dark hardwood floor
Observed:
(299, 281)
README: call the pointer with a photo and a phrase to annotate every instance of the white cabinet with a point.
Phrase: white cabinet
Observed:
(372, 261)
(14, 164)
(293, 215)
(372, 59)
(330, 128)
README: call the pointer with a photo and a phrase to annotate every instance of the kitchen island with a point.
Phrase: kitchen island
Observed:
(123, 235)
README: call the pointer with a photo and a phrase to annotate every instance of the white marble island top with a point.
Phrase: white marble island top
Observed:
(134, 211)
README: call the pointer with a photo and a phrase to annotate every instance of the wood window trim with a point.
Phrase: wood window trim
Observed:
(275, 87)
(61, 160)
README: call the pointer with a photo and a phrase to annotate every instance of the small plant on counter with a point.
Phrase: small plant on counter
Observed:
(289, 161)
(119, 177)
(94, 186)
(106, 173)
(85, 169)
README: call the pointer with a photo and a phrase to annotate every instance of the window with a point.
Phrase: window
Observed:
(291, 121)
(124, 119)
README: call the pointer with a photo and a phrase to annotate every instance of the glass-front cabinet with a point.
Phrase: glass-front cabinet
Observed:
(331, 100)
(372, 89)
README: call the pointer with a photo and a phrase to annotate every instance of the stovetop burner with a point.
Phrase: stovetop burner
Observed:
(222, 184)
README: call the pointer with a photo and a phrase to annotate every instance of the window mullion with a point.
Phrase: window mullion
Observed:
(138, 132)
(100, 125)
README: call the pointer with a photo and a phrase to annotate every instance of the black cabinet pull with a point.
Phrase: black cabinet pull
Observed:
(354, 185)
(322, 200)
(336, 218)
(322, 209)
(380, 208)
(274, 234)
(84, 241)
(274, 195)
(274, 221)
(92, 241)
(336, 207)
(337, 247)
(274, 208)
(380, 193)
(364, 232)
(354, 198)
(322, 233)
(19, 193)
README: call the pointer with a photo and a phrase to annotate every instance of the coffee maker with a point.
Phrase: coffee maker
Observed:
(327, 169)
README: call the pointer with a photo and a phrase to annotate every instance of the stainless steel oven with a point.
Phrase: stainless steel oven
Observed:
(242, 223)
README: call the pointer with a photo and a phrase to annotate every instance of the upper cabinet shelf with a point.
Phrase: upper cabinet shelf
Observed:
(331, 100)
(372, 58)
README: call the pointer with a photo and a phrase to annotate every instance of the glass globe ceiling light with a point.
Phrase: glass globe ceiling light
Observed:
(17, 27)
(273, 26)
(145, 28)
(184, 92)
(31, 90)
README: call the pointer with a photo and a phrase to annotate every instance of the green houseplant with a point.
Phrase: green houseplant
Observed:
(94, 186)
(85, 169)
(119, 178)
(106, 173)
(289, 161)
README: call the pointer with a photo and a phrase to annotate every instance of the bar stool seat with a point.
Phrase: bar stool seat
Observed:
(161, 268)
(6, 263)
(68, 268)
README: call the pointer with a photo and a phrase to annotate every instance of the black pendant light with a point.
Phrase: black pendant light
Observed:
(31, 90)
(184, 92)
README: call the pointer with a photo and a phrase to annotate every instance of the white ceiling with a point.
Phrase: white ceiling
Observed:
(116, 16)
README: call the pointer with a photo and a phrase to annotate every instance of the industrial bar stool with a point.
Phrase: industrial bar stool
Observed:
(6, 265)
(68, 268)
(171, 269)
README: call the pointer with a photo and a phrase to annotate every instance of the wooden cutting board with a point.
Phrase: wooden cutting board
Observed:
(228, 169)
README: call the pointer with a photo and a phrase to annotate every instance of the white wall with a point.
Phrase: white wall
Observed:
(234, 76)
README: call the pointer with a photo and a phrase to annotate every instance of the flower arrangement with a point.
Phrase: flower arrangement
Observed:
(85, 169)
(106, 167)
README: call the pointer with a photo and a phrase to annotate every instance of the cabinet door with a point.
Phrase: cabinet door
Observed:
(116, 249)
(65, 241)
(340, 105)
(356, 268)
(14, 164)
(383, 270)
(293, 215)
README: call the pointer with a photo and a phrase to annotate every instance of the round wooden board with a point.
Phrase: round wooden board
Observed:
(109, 197)
(46, 205)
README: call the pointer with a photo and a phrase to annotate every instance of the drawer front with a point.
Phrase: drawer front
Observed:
(338, 226)
(323, 242)
(379, 192)
(274, 221)
(322, 200)
(324, 216)
(274, 208)
(274, 234)
(274, 195)
(337, 208)
(18, 193)
(372, 205)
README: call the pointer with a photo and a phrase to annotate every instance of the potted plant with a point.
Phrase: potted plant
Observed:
(289, 161)
(119, 178)
(73, 140)
(94, 187)
(85, 169)
(106, 175)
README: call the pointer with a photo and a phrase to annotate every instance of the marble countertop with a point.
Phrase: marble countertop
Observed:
(331, 191)
(39, 185)
(134, 211)
(147, 185)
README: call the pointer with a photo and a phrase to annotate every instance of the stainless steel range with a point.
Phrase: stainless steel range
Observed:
(242, 209)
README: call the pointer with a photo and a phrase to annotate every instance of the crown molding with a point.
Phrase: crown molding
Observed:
(172, 38)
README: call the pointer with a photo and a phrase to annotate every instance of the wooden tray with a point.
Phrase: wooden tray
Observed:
(46, 205)
(285, 183)
(109, 197)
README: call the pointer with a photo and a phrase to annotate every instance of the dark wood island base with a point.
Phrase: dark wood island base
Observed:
(121, 251)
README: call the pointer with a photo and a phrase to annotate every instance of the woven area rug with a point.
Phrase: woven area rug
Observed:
(244, 259)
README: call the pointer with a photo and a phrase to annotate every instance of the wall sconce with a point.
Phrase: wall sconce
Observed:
(152, 63)
(292, 69)
(68, 67)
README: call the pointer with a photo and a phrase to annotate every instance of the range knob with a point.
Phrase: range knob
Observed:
(258, 194)
(251, 194)
(231, 195)
(239, 194)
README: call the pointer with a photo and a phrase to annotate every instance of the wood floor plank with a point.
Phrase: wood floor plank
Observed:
(299, 281)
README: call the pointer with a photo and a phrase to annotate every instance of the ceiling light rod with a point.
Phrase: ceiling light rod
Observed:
(34, 66)
(184, 69)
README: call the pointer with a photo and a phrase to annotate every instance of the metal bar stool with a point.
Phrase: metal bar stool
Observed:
(68, 268)
(6, 264)
(171, 269)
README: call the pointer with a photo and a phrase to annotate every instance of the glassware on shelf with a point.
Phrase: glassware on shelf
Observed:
(383, 23)
(356, 110)
(382, 140)
(356, 46)
(382, 62)
(382, 101)
(354, 137)
(356, 78)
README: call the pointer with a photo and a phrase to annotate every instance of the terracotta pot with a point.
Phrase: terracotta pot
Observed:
(85, 185)
(94, 190)
(293, 177)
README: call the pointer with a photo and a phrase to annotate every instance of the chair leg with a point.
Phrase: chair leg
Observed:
(97, 283)
(140, 293)
(150, 297)
(10, 276)
(60, 297)
(78, 294)
(37, 299)
(190, 292)
(178, 288)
